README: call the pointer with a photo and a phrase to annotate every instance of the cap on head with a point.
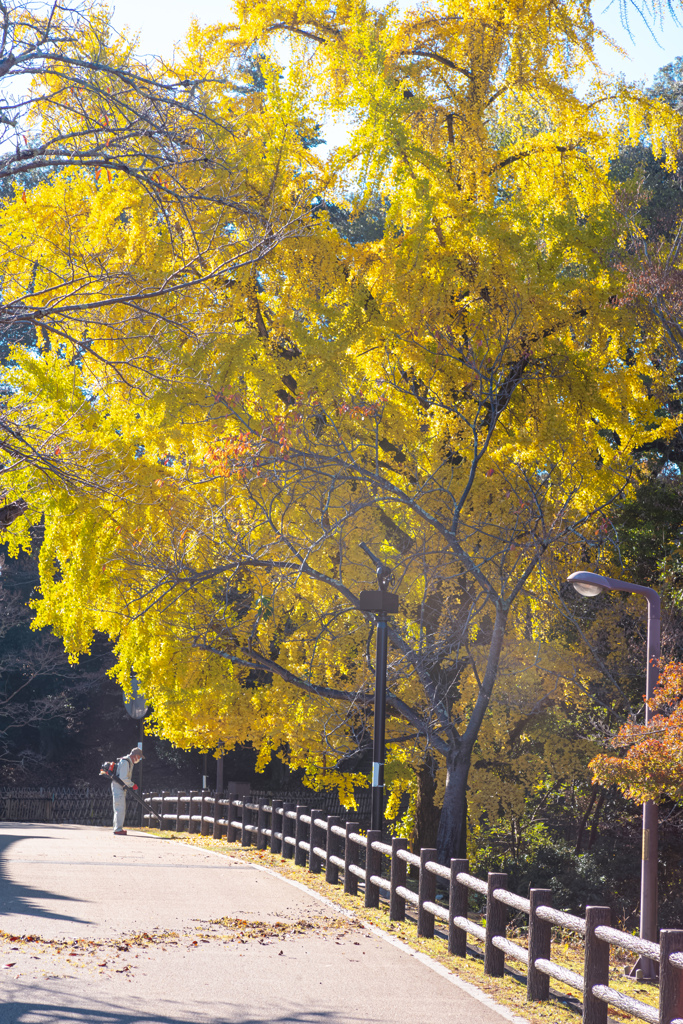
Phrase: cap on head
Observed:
(136, 750)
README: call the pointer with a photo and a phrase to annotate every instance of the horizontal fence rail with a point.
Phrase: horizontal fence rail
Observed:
(321, 841)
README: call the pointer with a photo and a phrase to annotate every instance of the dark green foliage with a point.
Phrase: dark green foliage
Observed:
(661, 190)
(649, 527)
(667, 84)
(366, 226)
(252, 76)
(313, 140)
(24, 181)
(606, 875)
(42, 698)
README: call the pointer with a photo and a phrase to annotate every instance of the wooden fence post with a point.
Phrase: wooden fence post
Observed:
(246, 820)
(595, 965)
(162, 809)
(299, 852)
(190, 823)
(496, 921)
(350, 857)
(373, 866)
(177, 811)
(261, 839)
(331, 848)
(426, 892)
(275, 844)
(670, 977)
(397, 905)
(457, 907)
(203, 825)
(317, 839)
(231, 834)
(217, 815)
(540, 934)
(287, 830)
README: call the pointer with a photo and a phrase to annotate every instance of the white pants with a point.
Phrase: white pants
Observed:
(119, 797)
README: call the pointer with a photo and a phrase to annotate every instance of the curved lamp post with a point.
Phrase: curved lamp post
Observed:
(589, 584)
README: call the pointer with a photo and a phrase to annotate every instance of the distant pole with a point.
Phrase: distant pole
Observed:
(205, 776)
(382, 603)
(140, 740)
(219, 775)
(136, 708)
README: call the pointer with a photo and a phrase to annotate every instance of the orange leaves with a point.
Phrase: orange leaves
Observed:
(652, 765)
(244, 452)
(362, 409)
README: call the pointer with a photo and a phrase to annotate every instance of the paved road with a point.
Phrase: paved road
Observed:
(105, 930)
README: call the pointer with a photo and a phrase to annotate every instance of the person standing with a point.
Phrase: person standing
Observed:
(124, 772)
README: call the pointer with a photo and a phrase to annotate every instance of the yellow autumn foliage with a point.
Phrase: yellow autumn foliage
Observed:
(463, 392)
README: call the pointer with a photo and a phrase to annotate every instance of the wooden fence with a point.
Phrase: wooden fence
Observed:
(325, 842)
(71, 805)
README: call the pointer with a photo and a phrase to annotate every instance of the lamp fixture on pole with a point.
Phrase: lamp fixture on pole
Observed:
(381, 603)
(590, 584)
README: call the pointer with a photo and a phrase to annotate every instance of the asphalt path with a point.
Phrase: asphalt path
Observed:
(98, 929)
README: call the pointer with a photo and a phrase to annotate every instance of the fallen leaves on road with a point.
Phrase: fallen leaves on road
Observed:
(112, 954)
(237, 929)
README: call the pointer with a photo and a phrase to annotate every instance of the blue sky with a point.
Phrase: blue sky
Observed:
(162, 22)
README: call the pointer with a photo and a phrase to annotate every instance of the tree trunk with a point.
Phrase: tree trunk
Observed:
(586, 816)
(452, 836)
(426, 811)
(596, 819)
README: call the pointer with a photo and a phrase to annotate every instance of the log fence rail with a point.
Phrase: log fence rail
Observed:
(322, 842)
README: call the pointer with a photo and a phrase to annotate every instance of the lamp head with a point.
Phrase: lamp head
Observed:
(589, 584)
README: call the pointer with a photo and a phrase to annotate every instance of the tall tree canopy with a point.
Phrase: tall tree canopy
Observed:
(465, 393)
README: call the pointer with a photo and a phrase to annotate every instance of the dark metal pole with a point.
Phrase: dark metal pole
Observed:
(378, 745)
(140, 742)
(380, 603)
(649, 855)
(219, 775)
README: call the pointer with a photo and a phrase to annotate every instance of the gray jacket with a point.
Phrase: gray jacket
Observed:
(124, 771)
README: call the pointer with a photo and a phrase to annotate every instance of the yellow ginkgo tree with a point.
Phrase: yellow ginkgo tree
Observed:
(463, 394)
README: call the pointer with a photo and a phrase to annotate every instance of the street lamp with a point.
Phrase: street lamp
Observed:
(382, 603)
(589, 584)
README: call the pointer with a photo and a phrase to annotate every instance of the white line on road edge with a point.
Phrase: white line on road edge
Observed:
(433, 965)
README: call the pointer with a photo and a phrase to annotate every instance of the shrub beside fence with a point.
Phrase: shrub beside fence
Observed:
(322, 842)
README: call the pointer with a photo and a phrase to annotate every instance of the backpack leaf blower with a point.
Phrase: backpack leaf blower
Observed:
(108, 769)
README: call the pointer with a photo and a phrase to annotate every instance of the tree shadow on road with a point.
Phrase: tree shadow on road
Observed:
(25, 900)
(18, 1012)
